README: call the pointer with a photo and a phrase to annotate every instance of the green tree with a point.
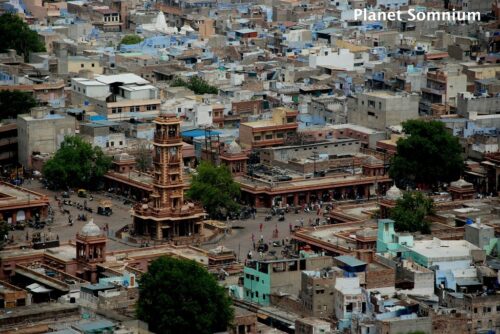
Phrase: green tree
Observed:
(215, 188)
(427, 156)
(196, 84)
(76, 164)
(13, 103)
(131, 39)
(4, 232)
(17, 35)
(180, 296)
(410, 212)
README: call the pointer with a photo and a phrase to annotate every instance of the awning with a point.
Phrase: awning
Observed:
(262, 316)
(37, 288)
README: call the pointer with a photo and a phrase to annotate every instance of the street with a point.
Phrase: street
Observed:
(244, 232)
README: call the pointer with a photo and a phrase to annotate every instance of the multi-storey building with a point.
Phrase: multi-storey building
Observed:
(116, 96)
(269, 132)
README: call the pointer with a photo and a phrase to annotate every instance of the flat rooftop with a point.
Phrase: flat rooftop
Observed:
(443, 249)
(13, 195)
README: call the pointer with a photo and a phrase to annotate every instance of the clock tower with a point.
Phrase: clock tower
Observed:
(168, 217)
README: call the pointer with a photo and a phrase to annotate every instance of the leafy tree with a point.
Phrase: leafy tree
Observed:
(131, 39)
(427, 156)
(410, 212)
(17, 35)
(13, 103)
(180, 296)
(215, 188)
(196, 84)
(76, 164)
(4, 231)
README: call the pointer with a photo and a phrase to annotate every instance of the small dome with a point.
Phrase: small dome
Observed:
(371, 160)
(394, 193)
(90, 229)
(234, 148)
(461, 183)
(123, 157)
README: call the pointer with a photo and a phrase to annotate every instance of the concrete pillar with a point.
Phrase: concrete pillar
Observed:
(308, 197)
(367, 191)
(159, 232)
(296, 199)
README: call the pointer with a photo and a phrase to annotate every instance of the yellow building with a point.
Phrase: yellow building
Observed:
(79, 63)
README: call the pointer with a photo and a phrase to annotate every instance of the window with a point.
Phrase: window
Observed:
(82, 65)
(290, 119)
(256, 138)
(121, 143)
(93, 65)
(279, 135)
(371, 103)
(380, 105)
(269, 136)
(371, 113)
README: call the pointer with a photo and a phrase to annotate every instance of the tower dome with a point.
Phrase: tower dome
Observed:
(394, 193)
(90, 229)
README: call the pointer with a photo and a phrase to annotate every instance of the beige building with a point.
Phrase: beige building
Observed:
(380, 109)
(269, 132)
(41, 131)
(80, 63)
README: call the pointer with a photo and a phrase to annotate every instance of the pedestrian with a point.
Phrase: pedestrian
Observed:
(290, 226)
(260, 226)
(253, 237)
(302, 222)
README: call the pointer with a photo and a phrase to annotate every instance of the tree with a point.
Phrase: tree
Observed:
(427, 156)
(13, 103)
(196, 84)
(215, 188)
(4, 232)
(180, 296)
(131, 39)
(76, 164)
(410, 212)
(17, 35)
(143, 157)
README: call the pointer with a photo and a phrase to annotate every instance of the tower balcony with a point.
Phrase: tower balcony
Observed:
(165, 139)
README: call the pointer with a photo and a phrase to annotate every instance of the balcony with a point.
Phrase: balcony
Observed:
(165, 139)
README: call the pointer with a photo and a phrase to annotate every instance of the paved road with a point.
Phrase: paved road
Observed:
(119, 218)
(240, 240)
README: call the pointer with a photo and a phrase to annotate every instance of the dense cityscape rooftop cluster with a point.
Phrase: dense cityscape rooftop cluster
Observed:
(355, 162)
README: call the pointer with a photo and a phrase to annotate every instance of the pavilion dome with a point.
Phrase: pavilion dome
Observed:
(234, 148)
(371, 160)
(90, 229)
(460, 183)
(394, 193)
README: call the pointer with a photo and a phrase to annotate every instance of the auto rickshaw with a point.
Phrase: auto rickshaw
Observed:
(104, 208)
(82, 193)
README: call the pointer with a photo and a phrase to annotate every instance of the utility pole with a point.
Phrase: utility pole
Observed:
(314, 157)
